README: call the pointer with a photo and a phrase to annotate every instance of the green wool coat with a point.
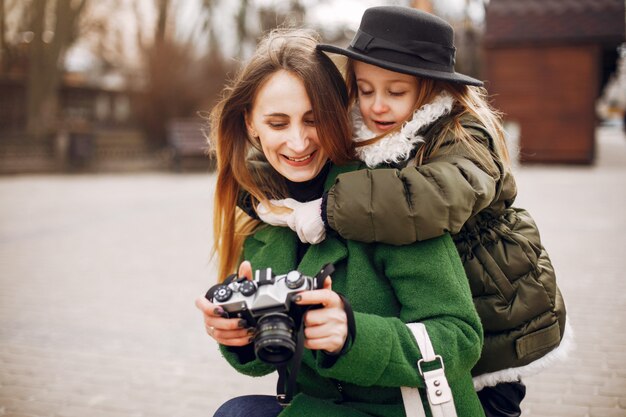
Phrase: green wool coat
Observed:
(387, 287)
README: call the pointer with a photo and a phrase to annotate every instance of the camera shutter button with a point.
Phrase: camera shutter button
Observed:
(294, 280)
(223, 293)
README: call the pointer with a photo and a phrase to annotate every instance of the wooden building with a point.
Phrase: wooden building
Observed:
(546, 63)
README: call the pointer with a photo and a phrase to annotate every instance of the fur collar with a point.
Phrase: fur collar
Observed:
(397, 147)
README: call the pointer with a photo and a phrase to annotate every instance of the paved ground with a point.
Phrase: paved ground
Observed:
(98, 275)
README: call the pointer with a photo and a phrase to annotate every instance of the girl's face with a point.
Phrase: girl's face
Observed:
(386, 98)
(282, 118)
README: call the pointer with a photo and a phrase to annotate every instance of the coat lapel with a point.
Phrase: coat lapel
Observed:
(275, 247)
(272, 247)
(331, 251)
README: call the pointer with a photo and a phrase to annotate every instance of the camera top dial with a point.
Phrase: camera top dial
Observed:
(294, 279)
(247, 288)
(222, 293)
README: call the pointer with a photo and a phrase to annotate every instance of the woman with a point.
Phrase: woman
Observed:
(289, 102)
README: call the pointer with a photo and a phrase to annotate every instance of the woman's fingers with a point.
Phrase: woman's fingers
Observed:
(330, 344)
(328, 283)
(245, 270)
(228, 336)
(326, 328)
(330, 335)
(323, 331)
(244, 340)
(225, 324)
(321, 316)
(325, 297)
(229, 332)
(232, 334)
(208, 308)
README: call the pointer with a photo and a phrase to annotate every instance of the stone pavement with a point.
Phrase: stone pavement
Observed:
(98, 275)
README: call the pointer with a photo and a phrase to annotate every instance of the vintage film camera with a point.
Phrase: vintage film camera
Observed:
(267, 304)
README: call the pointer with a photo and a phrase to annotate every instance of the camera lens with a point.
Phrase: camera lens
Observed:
(275, 340)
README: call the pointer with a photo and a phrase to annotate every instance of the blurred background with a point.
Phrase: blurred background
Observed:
(106, 188)
(118, 85)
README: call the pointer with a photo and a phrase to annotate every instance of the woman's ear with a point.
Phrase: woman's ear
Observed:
(250, 127)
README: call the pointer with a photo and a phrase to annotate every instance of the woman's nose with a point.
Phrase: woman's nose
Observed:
(299, 138)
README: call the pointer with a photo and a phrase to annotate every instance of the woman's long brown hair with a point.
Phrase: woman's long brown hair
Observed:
(289, 50)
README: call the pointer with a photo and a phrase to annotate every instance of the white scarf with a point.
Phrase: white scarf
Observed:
(397, 147)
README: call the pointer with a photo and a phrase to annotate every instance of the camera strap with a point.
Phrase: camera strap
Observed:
(210, 294)
(287, 377)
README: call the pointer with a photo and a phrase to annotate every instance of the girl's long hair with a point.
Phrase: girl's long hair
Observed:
(289, 50)
(468, 100)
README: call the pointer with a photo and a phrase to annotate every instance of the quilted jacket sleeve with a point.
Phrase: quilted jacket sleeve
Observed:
(431, 289)
(400, 206)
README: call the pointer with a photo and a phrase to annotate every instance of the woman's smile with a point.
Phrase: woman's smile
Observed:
(299, 160)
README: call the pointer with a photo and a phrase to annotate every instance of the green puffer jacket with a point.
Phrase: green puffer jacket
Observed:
(387, 287)
(469, 195)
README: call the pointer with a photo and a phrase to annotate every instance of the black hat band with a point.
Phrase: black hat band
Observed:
(433, 53)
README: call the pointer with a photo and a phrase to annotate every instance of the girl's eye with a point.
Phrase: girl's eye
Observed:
(365, 93)
(309, 122)
(397, 93)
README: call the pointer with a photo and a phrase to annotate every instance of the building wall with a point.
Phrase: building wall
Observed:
(98, 107)
(550, 91)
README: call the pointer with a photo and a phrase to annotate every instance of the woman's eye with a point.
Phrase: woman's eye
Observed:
(277, 125)
(309, 122)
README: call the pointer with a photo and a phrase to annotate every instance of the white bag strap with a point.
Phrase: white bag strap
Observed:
(437, 389)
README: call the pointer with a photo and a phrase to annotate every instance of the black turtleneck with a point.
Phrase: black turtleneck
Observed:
(308, 190)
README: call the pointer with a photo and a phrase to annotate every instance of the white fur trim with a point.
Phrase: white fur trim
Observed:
(397, 147)
(513, 374)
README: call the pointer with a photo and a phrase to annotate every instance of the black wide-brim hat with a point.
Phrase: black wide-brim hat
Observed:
(405, 40)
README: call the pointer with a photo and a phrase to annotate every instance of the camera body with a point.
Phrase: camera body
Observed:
(266, 294)
(266, 303)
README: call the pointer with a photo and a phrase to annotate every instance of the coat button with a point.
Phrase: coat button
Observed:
(438, 393)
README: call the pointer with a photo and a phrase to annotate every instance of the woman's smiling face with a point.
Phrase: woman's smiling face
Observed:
(386, 98)
(282, 118)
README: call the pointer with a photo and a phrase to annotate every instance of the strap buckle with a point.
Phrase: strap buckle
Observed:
(437, 357)
(282, 400)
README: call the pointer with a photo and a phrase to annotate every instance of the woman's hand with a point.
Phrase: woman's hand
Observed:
(228, 332)
(325, 328)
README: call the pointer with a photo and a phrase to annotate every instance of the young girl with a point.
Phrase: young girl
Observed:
(444, 169)
(289, 103)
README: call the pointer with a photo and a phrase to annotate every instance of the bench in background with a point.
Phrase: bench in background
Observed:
(187, 140)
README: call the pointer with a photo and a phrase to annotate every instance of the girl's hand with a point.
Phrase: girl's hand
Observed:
(228, 332)
(325, 328)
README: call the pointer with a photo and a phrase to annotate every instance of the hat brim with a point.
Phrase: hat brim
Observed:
(453, 77)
